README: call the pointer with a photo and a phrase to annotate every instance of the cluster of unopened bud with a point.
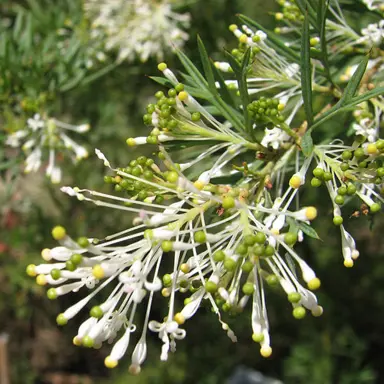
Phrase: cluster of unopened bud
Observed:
(290, 13)
(146, 169)
(364, 162)
(161, 115)
(266, 110)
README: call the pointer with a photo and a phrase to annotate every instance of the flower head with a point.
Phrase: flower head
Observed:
(138, 28)
(47, 137)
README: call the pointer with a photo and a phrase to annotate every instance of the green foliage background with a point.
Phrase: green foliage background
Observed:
(344, 346)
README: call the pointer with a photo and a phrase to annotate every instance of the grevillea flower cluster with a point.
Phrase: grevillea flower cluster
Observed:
(217, 211)
(137, 28)
(44, 139)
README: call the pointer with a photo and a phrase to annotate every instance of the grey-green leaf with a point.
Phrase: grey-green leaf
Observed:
(307, 144)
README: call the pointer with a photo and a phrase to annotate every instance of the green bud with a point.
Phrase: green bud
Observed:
(70, 266)
(167, 246)
(290, 238)
(241, 249)
(228, 202)
(96, 312)
(219, 256)
(260, 238)
(339, 200)
(210, 287)
(299, 312)
(375, 207)
(230, 264)
(315, 182)
(200, 237)
(294, 297)
(83, 242)
(338, 220)
(55, 273)
(327, 176)
(52, 294)
(76, 258)
(247, 267)
(249, 240)
(269, 251)
(248, 289)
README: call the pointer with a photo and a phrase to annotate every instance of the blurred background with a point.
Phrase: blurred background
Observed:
(344, 346)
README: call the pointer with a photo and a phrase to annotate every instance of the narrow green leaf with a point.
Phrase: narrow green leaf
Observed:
(206, 66)
(235, 65)
(223, 90)
(308, 230)
(243, 88)
(240, 71)
(307, 144)
(103, 71)
(336, 109)
(273, 40)
(353, 84)
(228, 112)
(192, 70)
(19, 23)
(322, 18)
(73, 82)
(306, 71)
(161, 80)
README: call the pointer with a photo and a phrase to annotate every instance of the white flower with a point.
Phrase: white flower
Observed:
(44, 138)
(137, 28)
(374, 4)
(274, 137)
(211, 255)
(367, 128)
(374, 33)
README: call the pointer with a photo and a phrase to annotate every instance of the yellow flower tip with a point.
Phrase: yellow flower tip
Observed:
(371, 149)
(344, 78)
(31, 270)
(311, 213)
(131, 142)
(199, 185)
(295, 181)
(162, 67)
(165, 292)
(179, 318)
(77, 341)
(317, 311)
(348, 263)
(279, 16)
(314, 284)
(185, 268)
(217, 64)
(98, 272)
(183, 96)
(110, 363)
(266, 351)
(41, 280)
(275, 231)
(58, 233)
(281, 107)
(243, 38)
(134, 369)
(233, 27)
